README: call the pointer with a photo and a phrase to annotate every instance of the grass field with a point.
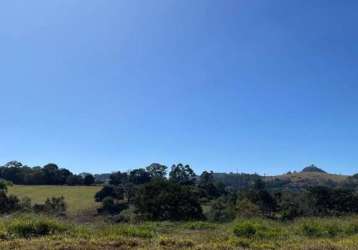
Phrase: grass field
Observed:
(33, 232)
(78, 198)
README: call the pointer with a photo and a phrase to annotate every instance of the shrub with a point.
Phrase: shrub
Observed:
(129, 216)
(54, 206)
(25, 204)
(27, 227)
(221, 211)
(352, 228)
(256, 229)
(110, 206)
(247, 209)
(320, 229)
(8, 203)
(246, 229)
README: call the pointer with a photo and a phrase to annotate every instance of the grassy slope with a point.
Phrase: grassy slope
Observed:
(78, 198)
(304, 179)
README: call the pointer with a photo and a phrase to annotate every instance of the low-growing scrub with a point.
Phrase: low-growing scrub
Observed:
(257, 229)
(199, 225)
(30, 226)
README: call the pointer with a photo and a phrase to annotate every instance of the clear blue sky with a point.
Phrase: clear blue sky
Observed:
(248, 86)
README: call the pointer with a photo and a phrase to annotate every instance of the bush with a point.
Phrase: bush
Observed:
(221, 211)
(129, 216)
(316, 229)
(9, 203)
(246, 229)
(247, 209)
(54, 206)
(109, 206)
(25, 204)
(27, 227)
(256, 229)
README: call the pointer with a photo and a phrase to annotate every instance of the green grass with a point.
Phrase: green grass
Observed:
(36, 232)
(79, 199)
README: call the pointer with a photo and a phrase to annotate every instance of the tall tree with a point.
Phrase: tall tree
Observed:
(182, 174)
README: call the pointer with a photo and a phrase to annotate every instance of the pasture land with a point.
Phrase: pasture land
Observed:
(79, 199)
(32, 232)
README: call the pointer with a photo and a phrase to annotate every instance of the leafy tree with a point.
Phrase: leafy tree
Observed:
(165, 200)
(115, 192)
(51, 173)
(118, 178)
(139, 176)
(74, 180)
(88, 180)
(157, 170)
(183, 175)
(207, 184)
(262, 198)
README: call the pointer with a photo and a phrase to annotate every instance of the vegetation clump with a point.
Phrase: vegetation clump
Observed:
(31, 226)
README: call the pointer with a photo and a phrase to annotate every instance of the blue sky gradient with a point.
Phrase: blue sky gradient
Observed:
(234, 85)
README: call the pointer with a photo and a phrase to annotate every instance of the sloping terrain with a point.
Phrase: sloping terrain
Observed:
(301, 180)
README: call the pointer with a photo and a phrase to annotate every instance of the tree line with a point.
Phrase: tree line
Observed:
(152, 193)
(50, 174)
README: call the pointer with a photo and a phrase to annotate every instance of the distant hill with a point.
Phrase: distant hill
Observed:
(310, 176)
(305, 179)
(313, 169)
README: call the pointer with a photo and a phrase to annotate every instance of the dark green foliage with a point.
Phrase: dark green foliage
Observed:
(157, 170)
(8, 203)
(292, 204)
(28, 227)
(53, 206)
(88, 180)
(111, 206)
(74, 180)
(139, 176)
(246, 209)
(328, 201)
(245, 229)
(221, 210)
(118, 178)
(314, 229)
(166, 200)
(257, 229)
(50, 174)
(115, 192)
(3, 186)
(208, 186)
(182, 175)
(262, 198)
